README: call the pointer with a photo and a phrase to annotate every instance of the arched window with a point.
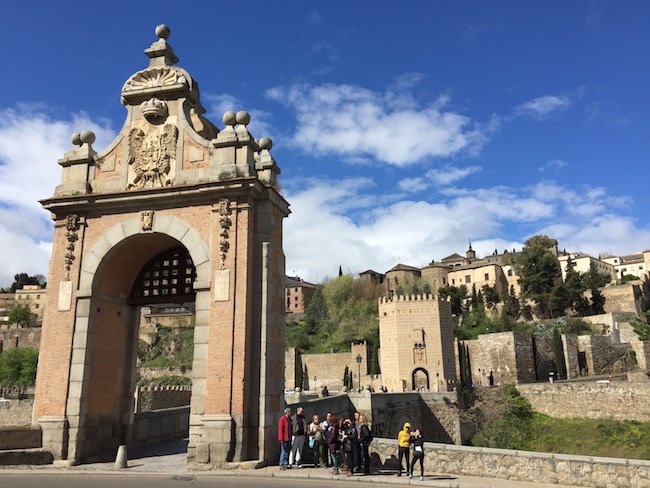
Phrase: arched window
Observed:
(168, 277)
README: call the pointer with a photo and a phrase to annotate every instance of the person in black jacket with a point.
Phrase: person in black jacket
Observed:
(365, 437)
(417, 441)
(349, 437)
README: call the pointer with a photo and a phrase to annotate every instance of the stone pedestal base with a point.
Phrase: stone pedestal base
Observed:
(55, 436)
(215, 441)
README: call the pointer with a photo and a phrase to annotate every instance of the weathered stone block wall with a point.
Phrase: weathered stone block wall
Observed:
(541, 468)
(615, 400)
(160, 425)
(20, 337)
(339, 405)
(544, 356)
(436, 414)
(507, 355)
(150, 398)
(20, 437)
(17, 412)
(642, 351)
(622, 298)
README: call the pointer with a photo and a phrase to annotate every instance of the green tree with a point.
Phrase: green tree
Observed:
(511, 308)
(539, 270)
(559, 300)
(594, 281)
(490, 296)
(20, 315)
(641, 327)
(627, 278)
(18, 366)
(456, 295)
(316, 314)
(22, 279)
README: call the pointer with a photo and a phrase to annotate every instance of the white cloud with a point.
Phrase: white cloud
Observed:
(31, 142)
(391, 127)
(217, 105)
(449, 174)
(554, 165)
(544, 106)
(359, 230)
(444, 176)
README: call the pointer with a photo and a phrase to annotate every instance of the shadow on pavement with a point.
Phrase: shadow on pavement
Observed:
(176, 446)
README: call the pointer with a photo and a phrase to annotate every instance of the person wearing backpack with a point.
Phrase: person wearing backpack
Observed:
(417, 441)
(365, 438)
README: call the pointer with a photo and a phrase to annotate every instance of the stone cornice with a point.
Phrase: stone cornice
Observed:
(159, 198)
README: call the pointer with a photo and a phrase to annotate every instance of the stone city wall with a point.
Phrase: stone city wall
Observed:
(153, 427)
(613, 323)
(435, 413)
(16, 412)
(615, 400)
(20, 337)
(622, 298)
(148, 398)
(541, 468)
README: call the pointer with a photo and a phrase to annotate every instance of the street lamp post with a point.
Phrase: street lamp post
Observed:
(359, 359)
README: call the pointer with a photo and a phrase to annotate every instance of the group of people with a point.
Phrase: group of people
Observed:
(337, 442)
(341, 443)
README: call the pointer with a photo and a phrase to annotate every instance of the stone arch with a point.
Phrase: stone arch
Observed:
(170, 225)
(417, 378)
(82, 404)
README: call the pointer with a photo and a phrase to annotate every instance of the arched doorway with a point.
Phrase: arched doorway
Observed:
(151, 269)
(420, 379)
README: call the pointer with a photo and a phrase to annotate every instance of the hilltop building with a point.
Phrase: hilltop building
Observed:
(632, 264)
(298, 293)
(34, 297)
(583, 263)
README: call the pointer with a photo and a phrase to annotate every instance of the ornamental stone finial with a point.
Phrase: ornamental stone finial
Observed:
(163, 31)
(265, 143)
(229, 118)
(76, 139)
(87, 137)
(243, 118)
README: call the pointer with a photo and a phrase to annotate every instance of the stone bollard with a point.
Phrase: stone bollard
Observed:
(121, 458)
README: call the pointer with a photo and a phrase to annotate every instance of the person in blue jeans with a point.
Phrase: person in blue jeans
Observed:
(285, 430)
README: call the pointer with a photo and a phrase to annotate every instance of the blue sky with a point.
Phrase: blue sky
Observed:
(403, 129)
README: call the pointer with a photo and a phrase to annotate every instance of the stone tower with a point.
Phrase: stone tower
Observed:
(174, 210)
(417, 343)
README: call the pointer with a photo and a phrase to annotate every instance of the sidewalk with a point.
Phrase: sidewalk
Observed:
(171, 458)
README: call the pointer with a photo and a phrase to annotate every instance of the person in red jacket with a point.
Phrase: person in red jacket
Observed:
(285, 430)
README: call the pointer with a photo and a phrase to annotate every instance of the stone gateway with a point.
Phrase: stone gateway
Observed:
(175, 210)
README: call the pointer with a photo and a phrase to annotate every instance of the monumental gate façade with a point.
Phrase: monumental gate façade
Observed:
(175, 211)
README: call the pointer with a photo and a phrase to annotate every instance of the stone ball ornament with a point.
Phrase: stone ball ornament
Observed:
(87, 137)
(76, 139)
(243, 118)
(163, 31)
(229, 118)
(265, 143)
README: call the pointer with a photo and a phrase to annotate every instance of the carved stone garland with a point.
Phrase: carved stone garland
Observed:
(225, 222)
(72, 227)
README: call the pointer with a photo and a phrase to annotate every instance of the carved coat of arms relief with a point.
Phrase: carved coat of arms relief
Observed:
(151, 156)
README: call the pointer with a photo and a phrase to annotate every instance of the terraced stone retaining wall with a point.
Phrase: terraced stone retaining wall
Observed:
(542, 468)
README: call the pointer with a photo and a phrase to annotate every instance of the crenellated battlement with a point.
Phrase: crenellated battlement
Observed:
(411, 298)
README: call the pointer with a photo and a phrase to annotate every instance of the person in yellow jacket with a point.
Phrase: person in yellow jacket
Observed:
(404, 449)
